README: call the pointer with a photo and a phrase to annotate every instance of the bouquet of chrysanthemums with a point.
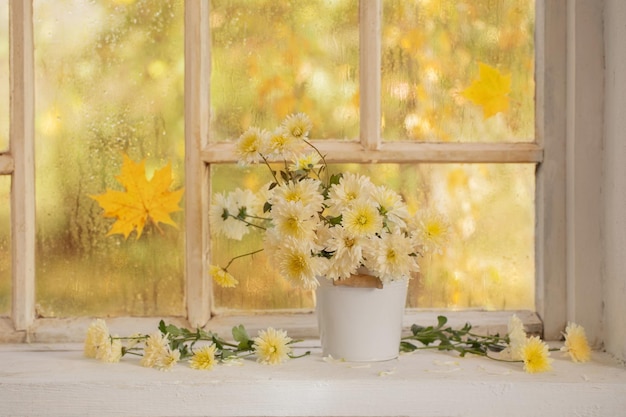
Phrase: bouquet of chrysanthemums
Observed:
(318, 224)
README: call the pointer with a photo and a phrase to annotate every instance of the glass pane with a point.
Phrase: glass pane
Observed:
(109, 83)
(273, 58)
(4, 75)
(488, 262)
(458, 70)
(5, 245)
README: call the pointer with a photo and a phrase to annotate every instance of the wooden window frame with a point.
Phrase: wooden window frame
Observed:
(547, 152)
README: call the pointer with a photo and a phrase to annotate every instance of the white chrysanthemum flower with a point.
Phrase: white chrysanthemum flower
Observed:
(298, 126)
(351, 188)
(272, 242)
(263, 195)
(347, 252)
(282, 145)
(391, 257)
(272, 346)
(156, 347)
(100, 345)
(362, 219)
(221, 213)
(391, 206)
(297, 264)
(295, 219)
(432, 231)
(251, 145)
(97, 338)
(246, 202)
(112, 351)
(517, 339)
(306, 191)
(306, 162)
(167, 360)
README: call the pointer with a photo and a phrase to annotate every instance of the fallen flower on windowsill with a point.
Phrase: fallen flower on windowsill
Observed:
(170, 344)
(515, 346)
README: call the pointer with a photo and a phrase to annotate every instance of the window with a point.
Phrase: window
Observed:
(373, 121)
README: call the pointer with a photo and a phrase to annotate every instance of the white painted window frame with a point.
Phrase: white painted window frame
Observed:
(548, 152)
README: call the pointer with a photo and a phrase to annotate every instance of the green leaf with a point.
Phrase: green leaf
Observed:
(416, 329)
(441, 321)
(173, 331)
(162, 328)
(407, 347)
(266, 207)
(335, 178)
(334, 221)
(241, 335)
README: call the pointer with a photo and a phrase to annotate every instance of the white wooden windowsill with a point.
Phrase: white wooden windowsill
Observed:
(56, 380)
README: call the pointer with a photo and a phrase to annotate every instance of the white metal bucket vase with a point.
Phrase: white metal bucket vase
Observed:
(360, 324)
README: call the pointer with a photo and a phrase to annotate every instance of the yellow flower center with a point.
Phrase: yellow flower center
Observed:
(434, 229)
(297, 131)
(297, 264)
(293, 196)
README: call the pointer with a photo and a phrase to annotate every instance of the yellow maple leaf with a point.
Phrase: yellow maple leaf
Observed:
(490, 90)
(143, 200)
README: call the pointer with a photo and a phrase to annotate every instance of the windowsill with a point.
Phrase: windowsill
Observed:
(56, 380)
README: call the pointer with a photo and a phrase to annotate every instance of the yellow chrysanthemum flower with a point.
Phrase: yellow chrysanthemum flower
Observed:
(251, 144)
(576, 345)
(282, 144)
(434, 231)
(272, 346)
(296, 264)
(222, 277)
(362, 219)
(306, 162)
(204, 359)
(535, 354)
(168, 359)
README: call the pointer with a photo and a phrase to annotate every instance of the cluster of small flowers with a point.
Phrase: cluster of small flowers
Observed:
(315, 228)
(158, 350)
(535, 353)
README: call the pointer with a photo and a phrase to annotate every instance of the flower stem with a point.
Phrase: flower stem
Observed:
(241, 256)
(320, 154)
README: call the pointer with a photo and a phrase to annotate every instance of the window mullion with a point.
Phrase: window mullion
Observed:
(550, 246)
(197, 101)
(370, 15)
(23, 151)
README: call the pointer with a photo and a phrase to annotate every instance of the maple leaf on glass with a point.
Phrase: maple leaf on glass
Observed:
(142, 200)
(490, 90)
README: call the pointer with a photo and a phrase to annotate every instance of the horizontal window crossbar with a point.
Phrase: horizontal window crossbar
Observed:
(403, 152)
